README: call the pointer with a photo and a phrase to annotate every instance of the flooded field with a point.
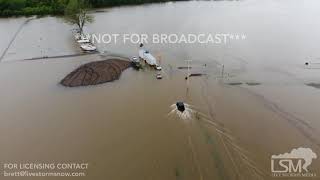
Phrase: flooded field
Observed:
(264, 103)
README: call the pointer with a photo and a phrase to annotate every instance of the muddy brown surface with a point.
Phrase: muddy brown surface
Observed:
(97, 72)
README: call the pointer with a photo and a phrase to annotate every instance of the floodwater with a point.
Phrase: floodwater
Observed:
(122, 129)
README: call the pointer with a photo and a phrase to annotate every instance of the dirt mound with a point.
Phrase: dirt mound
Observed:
(97, 72)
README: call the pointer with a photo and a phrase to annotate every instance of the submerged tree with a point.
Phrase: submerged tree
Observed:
(76, 13)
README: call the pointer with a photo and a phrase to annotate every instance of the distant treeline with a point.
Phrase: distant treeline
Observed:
(109, 3)
(31, 7)
(55, 7)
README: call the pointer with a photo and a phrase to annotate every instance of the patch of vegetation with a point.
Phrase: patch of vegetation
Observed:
(31, 7)
(76, 13)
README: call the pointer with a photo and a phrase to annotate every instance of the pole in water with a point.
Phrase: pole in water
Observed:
(222, 71)
(188, 75)
(188, 70)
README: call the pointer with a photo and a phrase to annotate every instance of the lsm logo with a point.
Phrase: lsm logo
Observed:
(293, 164)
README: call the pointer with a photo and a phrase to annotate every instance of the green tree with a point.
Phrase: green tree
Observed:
(76, 13)
(12, 4)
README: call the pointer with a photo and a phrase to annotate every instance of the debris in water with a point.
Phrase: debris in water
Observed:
(196, 74)
(312, 63)
(253, 83)
(315, 85)
(184, 67)
(235, 83)
(193, 74)
(159, 76)
(97, 72)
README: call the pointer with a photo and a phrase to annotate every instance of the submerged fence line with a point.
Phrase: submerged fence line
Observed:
(14, 37)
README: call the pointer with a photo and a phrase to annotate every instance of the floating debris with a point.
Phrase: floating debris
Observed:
(253, 83)
(196, 74)
(184, 67)
(310, 63)
(247, 83)
(315, 85)
(235, 83)
(193, 75)
(159, 76)
(97, 72)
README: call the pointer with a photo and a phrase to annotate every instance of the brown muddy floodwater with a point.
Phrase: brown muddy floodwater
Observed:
(261, 107)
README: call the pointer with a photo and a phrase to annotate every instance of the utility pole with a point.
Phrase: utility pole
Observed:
(222, 71)
(188, 71)
(188, 74)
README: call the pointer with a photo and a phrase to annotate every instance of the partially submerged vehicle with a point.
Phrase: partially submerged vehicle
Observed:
(159, 76)
(135, 59)
(135, 62)
(159, 68)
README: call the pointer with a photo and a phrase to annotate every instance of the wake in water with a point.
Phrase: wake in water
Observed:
(186, 114)
(238, 156)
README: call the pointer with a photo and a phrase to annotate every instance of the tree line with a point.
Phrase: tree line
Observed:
(56, 7)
